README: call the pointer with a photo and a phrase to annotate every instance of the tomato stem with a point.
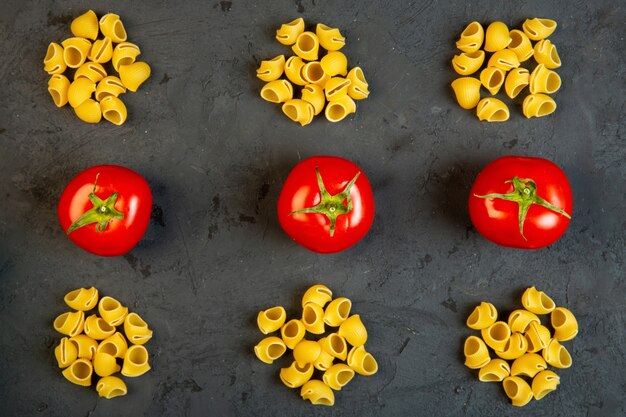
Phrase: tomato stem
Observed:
(102, 213)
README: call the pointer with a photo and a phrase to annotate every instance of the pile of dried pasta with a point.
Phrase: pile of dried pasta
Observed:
(320, 354)
(524, 341)
(94, 346)
(325, 80)
(510, 49)
(91, 77)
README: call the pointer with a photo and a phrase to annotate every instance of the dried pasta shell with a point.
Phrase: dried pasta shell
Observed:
(471, 38)
(339, 109)
(97, 328)
(58, 85)
(124, 53)
(330, 38)
(314, 94)
(136, 361)
(288, 32)
(101, 51)
(112, 311)
(515, 347)
(86, 346)
(313, 317)
(113, 110)
(520, 44)
(134, 75)
(476, 353)
(318, 294)
(492, 110)
(467, 92)
(136, 328)
(277, 91)
(105, 364)
(467, 63)
(538, 105)
(545, 53)
(75, 51)
(495, 371)
(337, 311)
(318, 393)
(537, 301)
(271, 319)
(537, 29)
(485, 314)
(497, 335)
(79, 91)
(111, 387)
(114, 345)
(92, 71)
(337, 88)
(307, 46)
(79, 372)
(564, 324)
(515, 82)
(112, 27)
(292, 333)
(54, 61)
(295, 376)
(544, 383)
(556, 355)
(335, 345)
(109, 86)
(361, 361)
(270, 349)
(528, 365)
(293, 70)
(70, 323)
(520, 319)
(65, 353)
(335, 63)
(325, 359)
(353, 330)
(543, 80)
(492, 79)
(85, 25)
(313, 73)
(271, 69)
(359, 88)
(517, 390)
(504, 59)
(299, 111)
(306, 351)
(497, 37)
(338, 376)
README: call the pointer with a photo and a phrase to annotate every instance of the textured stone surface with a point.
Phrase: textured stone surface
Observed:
(215, 155)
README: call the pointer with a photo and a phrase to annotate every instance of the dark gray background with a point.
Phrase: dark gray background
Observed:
(216, 155)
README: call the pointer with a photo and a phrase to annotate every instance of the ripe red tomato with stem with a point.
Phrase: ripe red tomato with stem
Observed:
(521, 202)
(326, 204)
(106, 209)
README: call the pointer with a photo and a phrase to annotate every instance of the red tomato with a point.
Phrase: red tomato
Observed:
(106, 209)
(521, 202)
(326, 204)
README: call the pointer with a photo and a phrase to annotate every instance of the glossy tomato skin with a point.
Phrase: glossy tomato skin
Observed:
(134, 201)
(301, 190)
(497, 219)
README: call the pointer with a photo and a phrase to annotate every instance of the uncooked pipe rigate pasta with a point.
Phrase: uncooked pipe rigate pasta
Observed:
(313, 318)
(467, 63)
(293, 70)
(97, 328)
(515, 347)
(483, 315)
(307, 46)
(54, 62)
(564, 323)
(80, 90)
(79, 372)
(134, 75)
(359, 88)
(517, 390)
(336, 88)
(306, 351)
(544, 383)
(337, 311)
(492, 110)
(335, 63)
(313, 73)
(65, 353)
(105, 364)
(271, 69)
(318, 393)
(92, 71)
(295, 376)
(136, 329)
(538, 337)
(114, 345)
(521, 45)
(70, 323)
(329, 38)
(556, 355)
(361, 361)
(353, 330)
(543, 80)
(467, 93)
(335, 345)
(476, 353)
(471, 38)
(86, 346)
(270, 349)
(520, 319)
(545, 53)
(292, 333)
(338, 376)
(124, 53)
(288, 32)
(113, 110)
(109, 86)
(85, 25)
(75, 51)
(299, 111)
(494, 371)
(324, 360)
(339, 109)
(101, 51)
(537, 301)
(277, 91)
(271, 319)
(537, 29)
(112, 27)
(314, 94)
(111, 387)
(505, 59)
(492, 79)
(112, 311)
(538, 105)
(497, 37)
(58, 86)
(136, 361)
(516, 80)
(529, 365)
(497, 335)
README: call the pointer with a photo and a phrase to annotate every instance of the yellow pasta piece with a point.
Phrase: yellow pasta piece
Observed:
(80, 90)
(111, 387)
(538, 337)
(517, 390)
(485, 314)
(105, 364)
(515, 82)
(277, 91)
(492, 110)
(353, 330)
(361, 361)
(325, 359)
(86, 346)
(136, 361)
(471, 38)
(338, 376)
(295, 376)
(537, 29)
(79, 372)
(66, 353)
(124, 53)
(113, 110)
(520, 44)
(545, 53)
(313, 73)
(318, 393)
(476, 353)
(337, 311)
(497, 37)
(564, 324)
(114, 345)
(537, 301)
(358, 89)
(70, 324)
(54, 62)
(292, 333)
(520, 319)
(505, 59)
(495, 371)
(136, 329)
(299, 111)
(556, 355)
(307, 46)
(497, 335)
(538, 105)
(271, 319)
(288, 32)
(515, 347)
(92, 71)
(111, 27)
(109, 86)
(85, 25)
(101, 51)
(270, 349)
(271, 69)
(339, 109)
(337, 88)
(314, 94)
(335, 345)
(97, 328)
(530, 364)
(293, 70)
(112, 311)
(467, 63)
(335, 63)
(330, 38)
(58, 85)
(544, 383)
(306, 351)
(134, 75)
(75, 51)
(543, 80)
(467, 92)
(492, 79)
(313, 318)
